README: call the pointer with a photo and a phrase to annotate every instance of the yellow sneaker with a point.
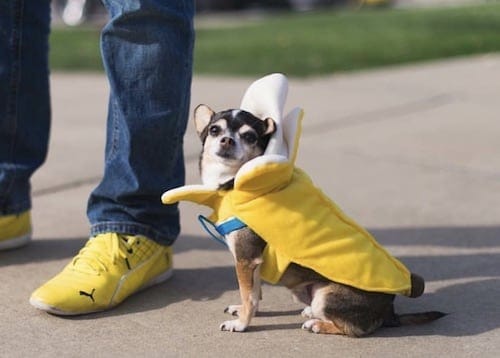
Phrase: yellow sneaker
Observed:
(15, 230)
(107, 270)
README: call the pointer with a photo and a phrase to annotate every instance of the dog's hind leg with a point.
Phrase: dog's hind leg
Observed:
(319, 322)
(316, 325)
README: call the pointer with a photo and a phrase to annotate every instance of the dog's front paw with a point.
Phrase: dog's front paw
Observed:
(233, 310)
(233, 326)
(307, 312)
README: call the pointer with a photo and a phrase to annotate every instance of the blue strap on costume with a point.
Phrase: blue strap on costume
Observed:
(219, 232)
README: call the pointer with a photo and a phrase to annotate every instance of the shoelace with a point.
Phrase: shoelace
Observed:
(94, 258)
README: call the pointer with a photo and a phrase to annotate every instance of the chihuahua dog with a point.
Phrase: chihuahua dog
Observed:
(231, 138)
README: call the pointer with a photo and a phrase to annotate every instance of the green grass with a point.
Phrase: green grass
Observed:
(320, 43)
(75, 49)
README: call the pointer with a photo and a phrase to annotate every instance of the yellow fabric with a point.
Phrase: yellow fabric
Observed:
(299, 223)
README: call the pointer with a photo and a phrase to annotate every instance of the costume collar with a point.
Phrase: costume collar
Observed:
(219, 231)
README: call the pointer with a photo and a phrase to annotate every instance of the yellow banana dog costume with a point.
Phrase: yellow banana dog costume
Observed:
(279, 202)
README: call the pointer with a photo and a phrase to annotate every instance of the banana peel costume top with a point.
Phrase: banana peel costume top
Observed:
(279, 202)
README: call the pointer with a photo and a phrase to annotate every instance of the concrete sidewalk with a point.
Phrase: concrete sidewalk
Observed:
(412, 153)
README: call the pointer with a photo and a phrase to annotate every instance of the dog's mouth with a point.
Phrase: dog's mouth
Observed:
(226, 154)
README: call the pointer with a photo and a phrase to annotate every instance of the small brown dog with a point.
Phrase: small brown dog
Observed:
(230, 139)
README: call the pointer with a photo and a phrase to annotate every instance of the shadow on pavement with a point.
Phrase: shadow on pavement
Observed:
(457, 236)
(201, 284)
(470, 297)
(472, 309)
(41, 250)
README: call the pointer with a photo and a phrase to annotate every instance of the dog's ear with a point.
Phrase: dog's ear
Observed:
(202, 116)
(270, 126)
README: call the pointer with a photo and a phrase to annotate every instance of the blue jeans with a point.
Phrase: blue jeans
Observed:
(147, 54)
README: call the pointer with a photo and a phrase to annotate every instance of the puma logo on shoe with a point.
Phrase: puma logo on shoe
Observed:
(90, 295)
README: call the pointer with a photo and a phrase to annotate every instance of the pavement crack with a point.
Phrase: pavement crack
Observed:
(345, 122)
(65, 186)
(383, 114)
(449, 168)
(88, 181)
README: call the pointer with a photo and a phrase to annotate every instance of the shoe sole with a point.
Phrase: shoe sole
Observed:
(55, 311)
(16, 242)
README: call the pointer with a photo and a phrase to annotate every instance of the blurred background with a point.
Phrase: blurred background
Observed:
(76, 12)
(300, 37)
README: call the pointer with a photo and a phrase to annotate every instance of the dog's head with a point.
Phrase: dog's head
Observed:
(230, 139)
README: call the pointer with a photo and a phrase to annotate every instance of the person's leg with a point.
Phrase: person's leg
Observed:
(147, 53)
(24, 110)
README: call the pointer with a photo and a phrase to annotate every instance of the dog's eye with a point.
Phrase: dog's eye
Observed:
(214, 130)
(249, 137)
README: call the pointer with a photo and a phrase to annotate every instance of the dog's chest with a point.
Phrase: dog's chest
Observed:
(215, 173)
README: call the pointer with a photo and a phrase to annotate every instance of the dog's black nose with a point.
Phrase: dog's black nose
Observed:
(226, 142)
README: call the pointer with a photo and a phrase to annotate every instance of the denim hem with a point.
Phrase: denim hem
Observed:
(128, 228)
(19, 208)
